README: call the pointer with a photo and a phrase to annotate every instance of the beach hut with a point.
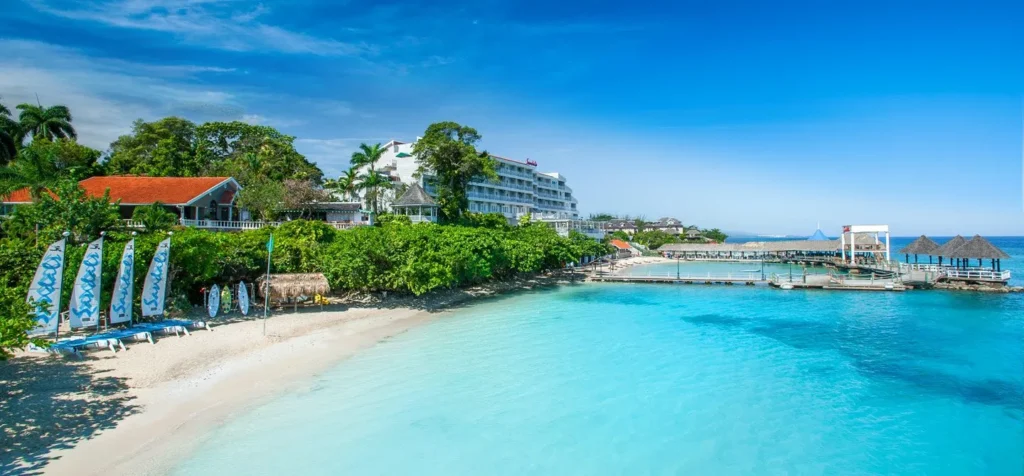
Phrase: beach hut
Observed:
(948, 248)
(980, 249)
(921, 246)
(294, 287)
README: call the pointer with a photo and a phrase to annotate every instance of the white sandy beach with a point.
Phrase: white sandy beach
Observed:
(142, 410)
(181, 387)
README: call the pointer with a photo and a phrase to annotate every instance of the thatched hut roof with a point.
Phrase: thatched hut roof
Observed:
(283, 286)
(950, 246)
(921, 246)
(979, 248)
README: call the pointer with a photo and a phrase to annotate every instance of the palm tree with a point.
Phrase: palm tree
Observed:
(9, 131)
(52, 122)
(373, 182)
(33, 171)
(346, 184)
(367, 156)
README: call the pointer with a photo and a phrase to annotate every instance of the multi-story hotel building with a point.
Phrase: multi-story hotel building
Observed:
(520, 188)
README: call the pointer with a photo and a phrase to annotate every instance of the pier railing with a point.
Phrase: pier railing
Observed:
(746, 277)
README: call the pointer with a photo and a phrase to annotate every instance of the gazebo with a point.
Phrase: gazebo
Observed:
(948, 248)
(981, 249)
(416, 204)
(921, 246)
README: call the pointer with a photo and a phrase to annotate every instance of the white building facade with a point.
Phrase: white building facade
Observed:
(519, 190)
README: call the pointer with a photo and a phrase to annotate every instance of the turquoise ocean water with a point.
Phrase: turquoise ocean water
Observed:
(662, 379)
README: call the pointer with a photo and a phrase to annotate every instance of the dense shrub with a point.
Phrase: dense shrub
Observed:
(392, 257)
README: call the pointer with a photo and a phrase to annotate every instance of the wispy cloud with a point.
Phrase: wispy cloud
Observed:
(106, 94)
(220, 24)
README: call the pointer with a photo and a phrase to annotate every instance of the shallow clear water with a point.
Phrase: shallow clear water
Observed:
(662, 379)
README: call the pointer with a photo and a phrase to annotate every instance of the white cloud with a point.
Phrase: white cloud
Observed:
(220, 24)
(105, 95)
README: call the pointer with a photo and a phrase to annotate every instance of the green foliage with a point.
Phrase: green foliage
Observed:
(160, 148)
(601, 217)
(155, 217)
(228, 149)
(43, 163)
(390, 218)
(177, 147)
(617, 235)
(653, 239)
(264, 199)
(10, 136)
(394, 257)
(51, 123)
(715, 235)
(345, 185)
(495, 221)
(15, 321)
(448, 151)
(71, 210)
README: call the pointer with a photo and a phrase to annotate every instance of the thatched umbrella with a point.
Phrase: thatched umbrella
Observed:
(921, 246)
(289, 286)
(979, 248)
(949, 247)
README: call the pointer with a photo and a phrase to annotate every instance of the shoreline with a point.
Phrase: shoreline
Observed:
(141, 411)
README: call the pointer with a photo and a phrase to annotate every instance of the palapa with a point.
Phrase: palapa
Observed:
(948, 248)
(979, 248)
(921, 246)
(287, 286)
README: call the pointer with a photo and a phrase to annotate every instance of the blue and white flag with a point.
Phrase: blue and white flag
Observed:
(121, 300)
(85, 296)
(45, 289)
(154, 290)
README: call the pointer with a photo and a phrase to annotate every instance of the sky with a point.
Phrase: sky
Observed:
(763, 117)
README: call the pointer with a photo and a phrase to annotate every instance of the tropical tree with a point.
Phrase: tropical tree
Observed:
(32, 170)
(42, 163)
(448, 151)
(367, 156)
(374, 183)
(346, 184)
(263, 199)
(10, 133)
(51, 123)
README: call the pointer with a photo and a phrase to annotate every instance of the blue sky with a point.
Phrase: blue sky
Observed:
(766, 117)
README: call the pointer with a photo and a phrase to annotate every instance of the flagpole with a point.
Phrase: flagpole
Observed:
(56, 332)
(266, 284)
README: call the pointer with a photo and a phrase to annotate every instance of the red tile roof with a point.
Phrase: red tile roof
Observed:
(140, 190)
(622, 245)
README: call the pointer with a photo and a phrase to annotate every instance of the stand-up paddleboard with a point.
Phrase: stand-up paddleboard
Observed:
(213, 301)
(243, 298)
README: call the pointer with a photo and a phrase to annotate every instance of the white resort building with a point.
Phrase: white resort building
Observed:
(519, 190)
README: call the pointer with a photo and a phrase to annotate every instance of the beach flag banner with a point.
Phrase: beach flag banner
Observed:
(45, 289)
(85, 295)
(213, 301)
(243, 298)
(121, 300)
(154, 290)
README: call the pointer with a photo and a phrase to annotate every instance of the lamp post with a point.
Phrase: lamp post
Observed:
(677, 266)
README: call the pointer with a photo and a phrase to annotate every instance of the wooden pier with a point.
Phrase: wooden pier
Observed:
(830, 281)
(709, 278)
